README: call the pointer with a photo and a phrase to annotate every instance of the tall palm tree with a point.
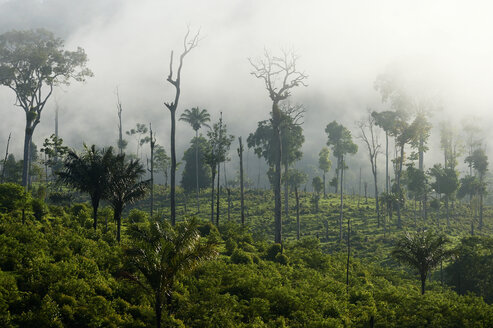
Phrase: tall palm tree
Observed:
(196, 118)
(423, 251)
(161, 253)
(124, 186)
(88, 172)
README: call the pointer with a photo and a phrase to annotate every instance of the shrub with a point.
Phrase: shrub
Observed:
(230, 246)
(282, 259)
(273, 250)
(240, 257)
(39, 208)
(137, 216)
(12, 197)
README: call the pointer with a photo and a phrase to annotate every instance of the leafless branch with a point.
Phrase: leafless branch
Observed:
(295, 112)
(188, 45)
(279, 74)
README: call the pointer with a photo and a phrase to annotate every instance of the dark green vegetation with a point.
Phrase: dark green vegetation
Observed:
(56, 270)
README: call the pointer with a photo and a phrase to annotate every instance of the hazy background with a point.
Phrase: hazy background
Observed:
(438, 48)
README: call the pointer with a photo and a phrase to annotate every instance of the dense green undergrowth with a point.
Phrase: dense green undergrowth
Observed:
(56, 271)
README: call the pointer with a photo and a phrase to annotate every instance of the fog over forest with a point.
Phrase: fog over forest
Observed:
(438, 50)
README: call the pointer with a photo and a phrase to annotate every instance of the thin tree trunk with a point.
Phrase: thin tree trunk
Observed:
(298, 230)
(480, 211)
(286, 190)
(326, 224)
(325, 193)
(359, 188)
(348, 252)
(173, 167)
(46, 171)
(197, 167)
(377, 204)
(386, 162)
(219, 170)
(341, 161)
(212, 195)
(217, 192)
(421, 153)
(423, 283)
(5, 159)
(447, 211)
(242, 204)
(229, 203)
(152, 143)
(120, 133)
(425, 204)
(414, 212)
(438, 209)
(158, 308)
(117, 215)
(29, 176)
(399, 193)
(258, 177)
(56, 132)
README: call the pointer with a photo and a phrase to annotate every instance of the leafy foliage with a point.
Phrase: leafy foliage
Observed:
(423, 251)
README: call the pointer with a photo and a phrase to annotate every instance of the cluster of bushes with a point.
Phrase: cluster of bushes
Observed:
(60, 272)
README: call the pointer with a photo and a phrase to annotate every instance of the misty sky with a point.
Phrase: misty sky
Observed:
(441, 49)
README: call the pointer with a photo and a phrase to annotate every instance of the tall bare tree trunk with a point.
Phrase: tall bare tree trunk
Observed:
(197, 167)
(242, 204)
(377, 203)
(217, 193)
(56, 133)
(276, 120)
(172, 106)
(173, 167)
(212, 194)
(341, 161)
(447, 210)
(298, 225)
(258, 177)
(348, 252)
(480, 211)
(229, 203)
(6, 156)
(421, 153)
(219, 171)
(398, 203)
(359, 188)
(152, 143)
(286, 190)
(325, 193)
(386, 162)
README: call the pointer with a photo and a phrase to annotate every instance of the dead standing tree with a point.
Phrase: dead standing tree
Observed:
(280, 75)
(242, 200)
(188, 45)
(121, 142)
(370, 137)
(7, 155)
